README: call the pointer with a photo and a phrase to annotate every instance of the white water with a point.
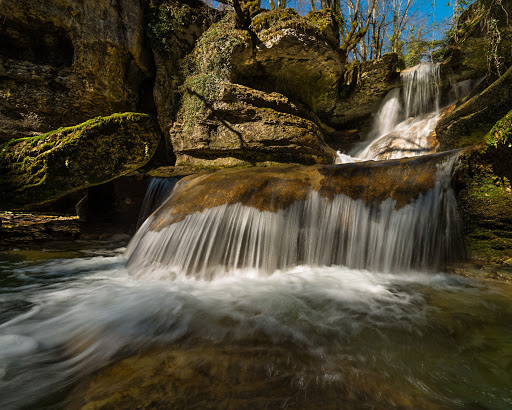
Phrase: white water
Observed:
(403, 125)
(316, 232)
(156, 193)
(104, 313)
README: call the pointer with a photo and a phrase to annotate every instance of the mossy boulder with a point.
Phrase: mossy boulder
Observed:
(486, 198)
(48, 166)
(468, 123)
(297, 56)
(243, 126)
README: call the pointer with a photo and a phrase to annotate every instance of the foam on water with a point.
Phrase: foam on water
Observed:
(77, 326)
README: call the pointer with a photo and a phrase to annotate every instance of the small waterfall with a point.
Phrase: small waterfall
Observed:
(404, 129)
(420, 85)
(156, 193)
(317, 231)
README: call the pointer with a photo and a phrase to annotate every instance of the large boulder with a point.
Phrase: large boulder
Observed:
(486, 196)
(223, 123)
(244, 126)
(42, 168)
(63, 62)
(468, 123)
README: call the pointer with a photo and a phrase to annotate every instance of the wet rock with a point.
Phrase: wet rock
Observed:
(365, 86)
(402, 180)
(42, 168)
(64, 62)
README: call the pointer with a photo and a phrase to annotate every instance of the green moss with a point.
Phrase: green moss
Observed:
(165, 21)
(500, 133)
(41, 168)
(487, 196)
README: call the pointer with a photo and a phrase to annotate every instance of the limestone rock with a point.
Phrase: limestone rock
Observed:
(63, 62)
(42, 168)
(246, 126)
(365, 86)
(468, 123)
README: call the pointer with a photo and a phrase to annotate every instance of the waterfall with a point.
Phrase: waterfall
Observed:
(156, 193)
(420, 85)
(317, 230)
(404, 124)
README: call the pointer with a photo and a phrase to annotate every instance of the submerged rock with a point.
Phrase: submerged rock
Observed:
(241, 377)
(64, 62)
(42, 168)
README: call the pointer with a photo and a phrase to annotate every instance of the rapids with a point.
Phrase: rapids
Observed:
(316, 286)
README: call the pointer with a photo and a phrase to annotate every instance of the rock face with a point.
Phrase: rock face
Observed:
(174, 28)
(224, 123)
(247, 126)
(468, 123)
(38, 169)
(482, 41)
(365, 86)
(486, 196)
(63, 62)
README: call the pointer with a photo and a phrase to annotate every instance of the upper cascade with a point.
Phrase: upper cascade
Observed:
(404, 124)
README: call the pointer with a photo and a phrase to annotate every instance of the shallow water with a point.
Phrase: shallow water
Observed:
(70, 310)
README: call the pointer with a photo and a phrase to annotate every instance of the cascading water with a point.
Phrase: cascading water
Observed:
(404, 123)
(274, 287)
(158, 190)
(336, 230)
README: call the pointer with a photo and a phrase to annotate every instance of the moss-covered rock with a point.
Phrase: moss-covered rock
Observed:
(222, 123)
(481, 45)
(232, 125)
(45, 167)
(468, 123)
(174, 27)
(487, 195)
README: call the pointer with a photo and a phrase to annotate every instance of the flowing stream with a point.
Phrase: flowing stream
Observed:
(331, 300)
